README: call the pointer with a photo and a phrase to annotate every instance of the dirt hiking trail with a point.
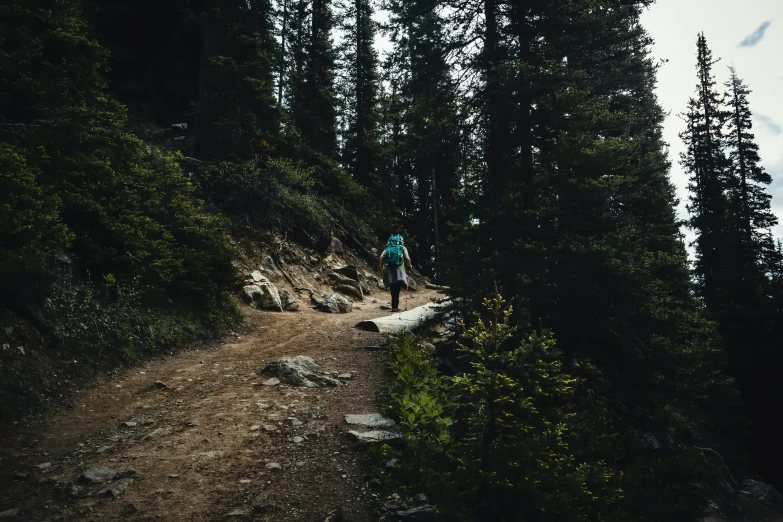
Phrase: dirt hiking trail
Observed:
(215, 439)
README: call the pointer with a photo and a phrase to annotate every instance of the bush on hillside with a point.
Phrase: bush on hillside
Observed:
(75, 183)
(492, 444)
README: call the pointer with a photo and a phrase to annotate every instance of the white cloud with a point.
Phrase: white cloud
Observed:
(768, 123)
(675, 24)
(753, 39)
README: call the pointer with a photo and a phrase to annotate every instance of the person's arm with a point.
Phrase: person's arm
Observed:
(380, 257)
(407, 258)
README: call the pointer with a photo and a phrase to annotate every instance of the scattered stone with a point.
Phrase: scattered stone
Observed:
(173, 475)
(255, 427)
(271, 382)
(273, 465)
(154, 434)
(160, 384)
(262, 406)
(103, 449)
(369, 420)
(391, 463)
(117, 488)
(333, 303)
(129, 509)
(296, 422)
(373, 436)
(76, 491)
(270, 427)
(335, 515)
(128, 424)
(43, 466)
(421, 498)
(146, 422)
(239, 512)
(260, 502)
(130, 472)
(10, 513)
(297, 439)
(336, 246)
(194, 423)
(763, 493)
(268, 264)
(256, 276)
(425, 512)
(346, 375)
(299, 371)
(245, 481)
(349, 290)
(99, 475)
(428, 347)
(348, 271)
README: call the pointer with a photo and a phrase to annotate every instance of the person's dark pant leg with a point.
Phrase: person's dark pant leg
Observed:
(395, 294)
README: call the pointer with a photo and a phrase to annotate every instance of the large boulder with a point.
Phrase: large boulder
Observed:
(333, 303)
(262, 293)
(299, 371)
(288, 301)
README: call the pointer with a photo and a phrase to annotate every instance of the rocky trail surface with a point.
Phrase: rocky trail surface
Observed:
(202, 435)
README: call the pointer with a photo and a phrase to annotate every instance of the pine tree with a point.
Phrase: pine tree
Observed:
(706, 161)
(127, 209)
(752, 203)
(429, 148)
(238, 113)
(361, 147)
(750, 310)
(577, 222)
(315, 111)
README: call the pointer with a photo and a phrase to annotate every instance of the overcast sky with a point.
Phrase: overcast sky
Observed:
(747, 34)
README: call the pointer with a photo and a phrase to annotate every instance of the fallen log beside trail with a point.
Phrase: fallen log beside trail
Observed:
(403, 320)
(433, 286)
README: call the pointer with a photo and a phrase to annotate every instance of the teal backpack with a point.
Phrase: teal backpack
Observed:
(395, 255)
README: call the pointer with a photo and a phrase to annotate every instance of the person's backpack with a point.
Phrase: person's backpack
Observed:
(395, 255)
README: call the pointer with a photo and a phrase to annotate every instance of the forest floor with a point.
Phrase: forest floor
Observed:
(216, 437)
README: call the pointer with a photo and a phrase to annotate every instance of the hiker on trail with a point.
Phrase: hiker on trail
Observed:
(397, 262)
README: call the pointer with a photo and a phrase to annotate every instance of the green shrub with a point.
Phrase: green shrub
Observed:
(273, 192)
(492, 443)
(31, 232)
(111, 318)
